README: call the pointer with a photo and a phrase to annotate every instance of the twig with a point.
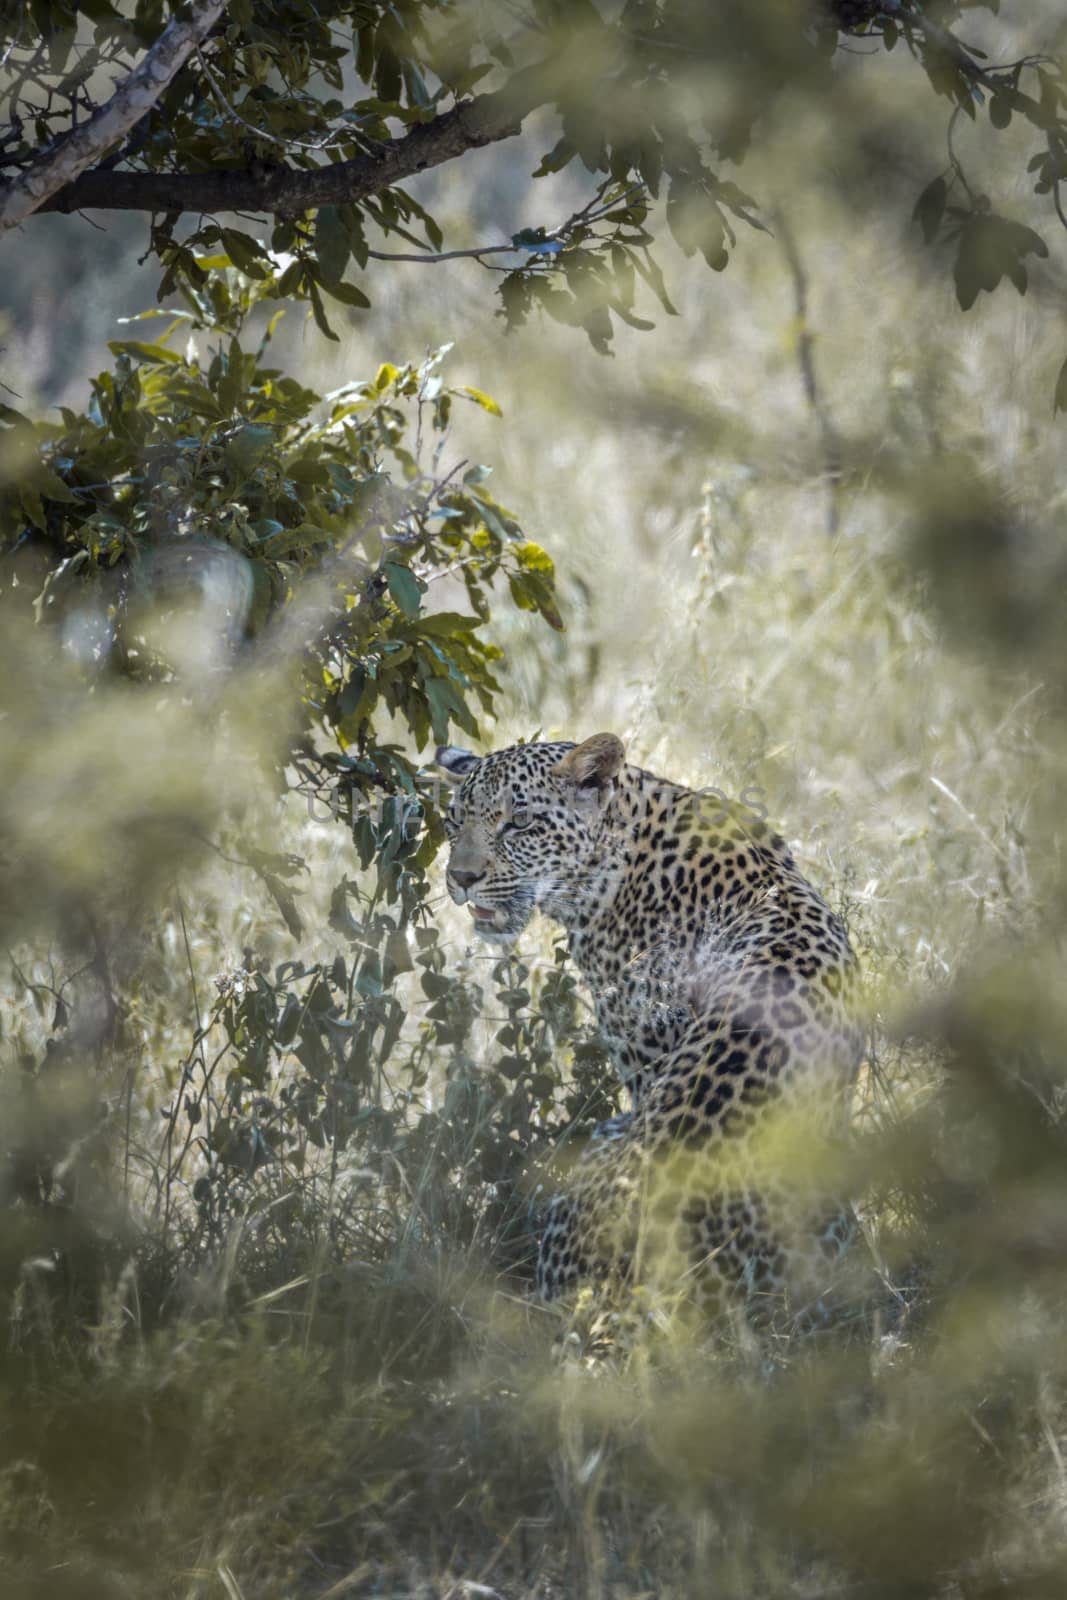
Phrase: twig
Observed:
(189, 961)
(584, 218)
(444, 255)
(954, 160)
(327, 142)
(829, 445)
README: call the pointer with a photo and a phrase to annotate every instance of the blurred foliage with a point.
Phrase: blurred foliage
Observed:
(210, 527)
(653, 98)
(175, 447)
(218, 590)
(266, 1324)
(276, 1137)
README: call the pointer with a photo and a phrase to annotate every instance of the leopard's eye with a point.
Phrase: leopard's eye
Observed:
(453, 820)
(521, 817)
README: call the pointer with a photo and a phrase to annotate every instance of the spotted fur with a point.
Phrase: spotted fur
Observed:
(723, 985)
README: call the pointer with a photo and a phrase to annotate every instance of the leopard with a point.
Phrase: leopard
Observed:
(725, 989)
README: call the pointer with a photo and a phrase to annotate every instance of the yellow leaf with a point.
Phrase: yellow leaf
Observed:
(486, 401)
(534, 559)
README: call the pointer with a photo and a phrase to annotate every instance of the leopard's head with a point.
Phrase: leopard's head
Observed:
(527, 829)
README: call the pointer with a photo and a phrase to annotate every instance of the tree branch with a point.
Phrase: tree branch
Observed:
(59, 167)
(280, 190)
(548, 245)
(431, 258)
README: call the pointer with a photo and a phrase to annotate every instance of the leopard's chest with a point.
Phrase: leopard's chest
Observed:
(637, 978)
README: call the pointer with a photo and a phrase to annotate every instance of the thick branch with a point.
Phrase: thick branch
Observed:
(60, 166)
(281, 189)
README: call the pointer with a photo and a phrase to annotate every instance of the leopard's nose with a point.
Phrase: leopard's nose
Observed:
(465, 877)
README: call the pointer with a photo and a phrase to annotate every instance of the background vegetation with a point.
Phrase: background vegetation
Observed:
(275, 1127)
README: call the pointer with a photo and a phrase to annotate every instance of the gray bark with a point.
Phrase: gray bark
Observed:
(282, 189)
(63, 163)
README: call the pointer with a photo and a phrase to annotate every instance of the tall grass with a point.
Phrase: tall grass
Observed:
(337, 1383)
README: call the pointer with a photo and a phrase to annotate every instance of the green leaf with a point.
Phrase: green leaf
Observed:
(292, 541)
(1000, 109)
(930, 208)
(696, 222)
(195, 396)
(1059, 402)
(348, 294)
(365, 53)
(446, 706)
(444, 624)
(991, 248)
(307, 469)
(463, 82)
(489, 515)
(245, 252)
(562, 152)
(650, 163)
(398, 953)
(289, 1022)
(629, 317)
(150, 353)
(51, 485)
(318, 310)
(533, 586)
(652, 275)
(417, 92)
(283, 899)
(350, 696)
(404, 587)
(248, 445)
(332, 245)
(289, 281)
(33, 506)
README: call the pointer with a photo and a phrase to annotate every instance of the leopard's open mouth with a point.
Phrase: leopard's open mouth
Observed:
(500, 924)
(493, 919)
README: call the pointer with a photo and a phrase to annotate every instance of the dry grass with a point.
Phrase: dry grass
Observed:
(352, 1395)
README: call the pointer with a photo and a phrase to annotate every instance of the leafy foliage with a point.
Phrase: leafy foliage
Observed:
(991, 247)
(201, 474)
(191, 457)
(653, 98)
(316, 1059)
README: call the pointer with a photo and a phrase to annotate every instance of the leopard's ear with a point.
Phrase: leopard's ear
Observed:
(593, 762)
(456, 764)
